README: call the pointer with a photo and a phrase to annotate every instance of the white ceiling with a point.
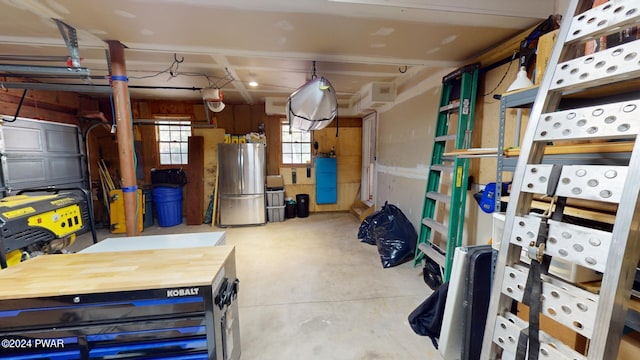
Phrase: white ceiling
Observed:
(227, 43)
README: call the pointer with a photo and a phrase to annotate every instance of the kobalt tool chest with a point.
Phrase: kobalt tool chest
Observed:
(147, 304)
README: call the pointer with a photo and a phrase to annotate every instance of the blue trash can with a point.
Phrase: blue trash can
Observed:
(168, 203)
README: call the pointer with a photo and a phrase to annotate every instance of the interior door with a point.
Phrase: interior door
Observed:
(367, 187)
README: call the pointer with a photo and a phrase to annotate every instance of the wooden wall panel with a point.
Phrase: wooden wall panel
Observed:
(258, 117)
(199, 112)
(486, 123)
(195, 181)
(97, 140)
(346, 194)
(44, 105)
(241, 119)
(225, 119)
(272, 132)
(212, 137)
(348, 147)
(149, 147)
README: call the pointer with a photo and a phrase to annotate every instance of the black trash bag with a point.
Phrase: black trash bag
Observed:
(395, 236)
(364, 232)
(168, 177)
(431, 273)
(426, 319)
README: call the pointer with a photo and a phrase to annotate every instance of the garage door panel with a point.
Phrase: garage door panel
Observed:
(22, 139)
(62, 141)
(38, 154)
(25, 170)
(64, 168)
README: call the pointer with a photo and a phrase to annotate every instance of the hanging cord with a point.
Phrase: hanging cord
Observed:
(24, 93)
(513, 57)
(313, 74)
(173, 69)
(113, 115)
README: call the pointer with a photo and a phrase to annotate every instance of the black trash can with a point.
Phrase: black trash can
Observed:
(302, 201)
(290, 210)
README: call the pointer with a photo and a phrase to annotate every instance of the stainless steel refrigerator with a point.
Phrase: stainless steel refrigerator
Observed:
(241, 184)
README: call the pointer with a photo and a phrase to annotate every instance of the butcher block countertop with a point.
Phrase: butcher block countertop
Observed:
(86, 273)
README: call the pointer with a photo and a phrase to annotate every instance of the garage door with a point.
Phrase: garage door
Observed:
(39, 154)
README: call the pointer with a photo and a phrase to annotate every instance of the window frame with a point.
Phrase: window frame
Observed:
(182, 139)
(284, 131)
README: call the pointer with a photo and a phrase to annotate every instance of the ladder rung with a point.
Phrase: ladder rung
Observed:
(601, 68)
(451, 107)
(557, 294)
(432, 253)
(434, 225)
(446, 137)
(593, 182)
(444, 198)
(509, 326)
(603, 122)
(442, 168)
(589, 24)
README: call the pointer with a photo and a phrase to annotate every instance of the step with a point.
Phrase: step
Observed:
(590, 23)
(430, 251)
(451, 107)
(446, 137)
(361, 210)
(442, 168)
(443, 198)
(588, 71)
(434, 225)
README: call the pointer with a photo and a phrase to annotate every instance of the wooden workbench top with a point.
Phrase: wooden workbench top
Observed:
(69, 274)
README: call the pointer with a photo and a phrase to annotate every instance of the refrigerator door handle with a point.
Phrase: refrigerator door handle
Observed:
(241, 168)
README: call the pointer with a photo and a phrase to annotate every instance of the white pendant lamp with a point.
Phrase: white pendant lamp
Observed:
(521, 81)
(313, 105)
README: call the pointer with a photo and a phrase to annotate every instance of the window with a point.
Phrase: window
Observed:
(296, 145)
(173, 137)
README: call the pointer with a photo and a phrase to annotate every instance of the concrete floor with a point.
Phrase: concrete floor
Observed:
(309, 289)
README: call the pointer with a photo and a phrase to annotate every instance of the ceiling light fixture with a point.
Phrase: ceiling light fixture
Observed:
(312, 106)
(324, 84)
(253, 83)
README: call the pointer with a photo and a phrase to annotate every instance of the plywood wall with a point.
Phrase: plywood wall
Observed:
(486, 126)
(348, 149)
(241, 119)
(212, 137)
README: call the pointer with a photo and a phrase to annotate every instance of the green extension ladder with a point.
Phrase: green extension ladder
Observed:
(447, 181)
